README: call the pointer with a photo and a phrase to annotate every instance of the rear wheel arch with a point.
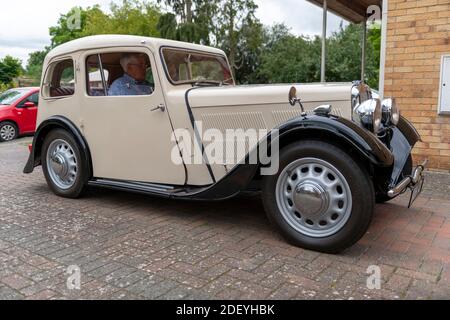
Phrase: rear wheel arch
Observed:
(48, 126)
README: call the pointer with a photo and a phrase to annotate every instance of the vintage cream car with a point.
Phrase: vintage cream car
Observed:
(331, 150)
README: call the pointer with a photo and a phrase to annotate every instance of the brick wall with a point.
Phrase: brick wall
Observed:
(418, 36)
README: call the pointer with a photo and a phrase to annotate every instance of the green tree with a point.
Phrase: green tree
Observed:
(257, 54)
(168, 26)
(290, 59)
(194, 23)
(344, 56)
(287, 58)
(183, 8)
(374, 38)
(227, 24)
(249, 51)
(10, 68)
(130, 17)
(234, 25)
(67, 28)
(256, 40)
(34, 66)
(4, 87)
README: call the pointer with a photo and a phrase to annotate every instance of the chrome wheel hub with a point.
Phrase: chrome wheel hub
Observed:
(62, 164)
(310, 199)
(314, 197)
(7, 132)
(59, 165)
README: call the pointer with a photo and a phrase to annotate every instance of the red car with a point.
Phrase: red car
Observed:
(18, 112)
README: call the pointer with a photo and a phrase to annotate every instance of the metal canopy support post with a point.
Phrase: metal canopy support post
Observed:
(363, 50)
(384, 22)
(324, 42)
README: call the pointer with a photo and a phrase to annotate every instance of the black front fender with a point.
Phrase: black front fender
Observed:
(408, 131)
(52, 123)
(340, 130)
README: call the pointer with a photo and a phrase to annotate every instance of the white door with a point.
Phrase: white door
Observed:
(445, 86)
(127, 140)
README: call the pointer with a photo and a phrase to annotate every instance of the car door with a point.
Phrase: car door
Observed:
(28, 115)
(129, 136)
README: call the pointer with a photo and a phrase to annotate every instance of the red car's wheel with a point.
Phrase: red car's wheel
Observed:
(8, 131)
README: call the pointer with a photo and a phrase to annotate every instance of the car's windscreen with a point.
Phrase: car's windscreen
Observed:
(190, 67)
(11, 96)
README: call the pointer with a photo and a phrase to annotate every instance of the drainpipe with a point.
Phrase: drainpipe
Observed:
(324, 42)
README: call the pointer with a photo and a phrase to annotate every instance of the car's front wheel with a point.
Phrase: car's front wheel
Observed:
(8, 131)
(63, 165)
(321, 198)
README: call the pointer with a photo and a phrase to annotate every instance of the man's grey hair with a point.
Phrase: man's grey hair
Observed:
(127, 58)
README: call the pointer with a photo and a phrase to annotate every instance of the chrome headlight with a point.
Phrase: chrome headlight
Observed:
(391, 112)
(369, 115)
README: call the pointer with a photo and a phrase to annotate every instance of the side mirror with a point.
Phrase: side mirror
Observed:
(293, 100)
(293, 96)
(29, 104)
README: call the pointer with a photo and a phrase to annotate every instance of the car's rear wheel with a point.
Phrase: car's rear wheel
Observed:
(321, 199)
(63, 165)
(8, 131)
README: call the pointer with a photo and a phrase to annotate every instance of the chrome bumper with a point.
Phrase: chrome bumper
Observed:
(414, 182)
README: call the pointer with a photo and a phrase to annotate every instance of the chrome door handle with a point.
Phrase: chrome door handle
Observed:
(160, 107)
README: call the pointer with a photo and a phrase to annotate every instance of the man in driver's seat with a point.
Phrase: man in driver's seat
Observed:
(133, 82)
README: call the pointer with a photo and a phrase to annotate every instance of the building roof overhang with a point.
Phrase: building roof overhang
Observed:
(351, 10)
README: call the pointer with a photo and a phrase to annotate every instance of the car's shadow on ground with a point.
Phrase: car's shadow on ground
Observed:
(244, 213)
(246, 208)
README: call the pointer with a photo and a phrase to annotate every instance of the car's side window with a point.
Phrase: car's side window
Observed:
(119, 74)
(97, 77)
(61, 79)
(189, 67)
(33, 98)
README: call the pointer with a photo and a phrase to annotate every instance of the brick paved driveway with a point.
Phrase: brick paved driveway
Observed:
(130, 246)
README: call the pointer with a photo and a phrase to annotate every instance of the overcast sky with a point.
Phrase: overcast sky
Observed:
(24, 23)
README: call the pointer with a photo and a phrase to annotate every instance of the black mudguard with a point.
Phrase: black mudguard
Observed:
(366, 143)
(55, 122)
(404, 137)
(408, 130)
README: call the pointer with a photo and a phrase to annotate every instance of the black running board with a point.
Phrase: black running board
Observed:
(235, 182)
(138, 187)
